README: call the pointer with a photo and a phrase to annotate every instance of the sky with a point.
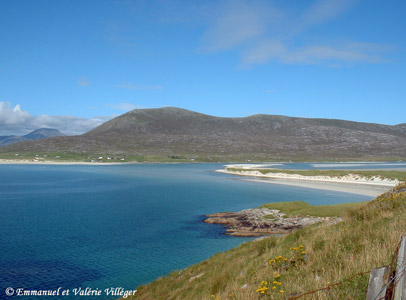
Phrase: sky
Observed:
(72, 65)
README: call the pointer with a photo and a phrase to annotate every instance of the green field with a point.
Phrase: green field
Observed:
(175, 157)
(301, 208)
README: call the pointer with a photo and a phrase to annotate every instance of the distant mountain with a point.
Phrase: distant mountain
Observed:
(34, 135)
(175, 131)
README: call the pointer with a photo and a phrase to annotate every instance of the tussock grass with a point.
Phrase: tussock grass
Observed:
(400, 175)
(365, 240)
(303, 208)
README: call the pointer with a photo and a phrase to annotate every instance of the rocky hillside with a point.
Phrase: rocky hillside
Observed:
(175, 131)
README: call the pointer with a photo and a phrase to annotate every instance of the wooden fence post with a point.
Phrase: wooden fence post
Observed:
(378, 278)
(400, 282)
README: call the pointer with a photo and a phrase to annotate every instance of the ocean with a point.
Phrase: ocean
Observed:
(121, 226)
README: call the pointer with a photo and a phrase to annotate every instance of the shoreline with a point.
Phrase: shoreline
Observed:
(372, 189)
(49, 162)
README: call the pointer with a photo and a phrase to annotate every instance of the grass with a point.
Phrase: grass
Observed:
(365, 240)
(302, 208)
(400, 175)
(89, 157)
(184, 157)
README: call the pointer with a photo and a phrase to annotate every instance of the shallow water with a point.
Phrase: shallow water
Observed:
(123, 225)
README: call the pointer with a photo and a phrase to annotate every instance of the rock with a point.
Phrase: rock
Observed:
(195, 277)
(262, 221)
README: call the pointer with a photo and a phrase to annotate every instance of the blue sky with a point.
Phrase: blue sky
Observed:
(74, 64)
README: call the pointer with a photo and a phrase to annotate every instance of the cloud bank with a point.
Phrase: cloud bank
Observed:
(16, 121)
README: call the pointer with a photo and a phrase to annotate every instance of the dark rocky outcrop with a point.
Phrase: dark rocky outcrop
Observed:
(262, 221)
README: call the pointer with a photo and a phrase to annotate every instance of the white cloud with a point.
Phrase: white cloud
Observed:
(237, 23)
(16, 121)
(322, 11)
(131, 86)
(264, 33)
(12, 115)
(314, 54)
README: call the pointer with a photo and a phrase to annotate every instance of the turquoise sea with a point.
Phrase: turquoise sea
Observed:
(123, 225)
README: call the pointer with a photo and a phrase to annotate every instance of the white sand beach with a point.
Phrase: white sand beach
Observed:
(49, 162)
(350, 183)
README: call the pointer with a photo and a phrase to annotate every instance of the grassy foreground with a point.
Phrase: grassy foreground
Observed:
(305, 260)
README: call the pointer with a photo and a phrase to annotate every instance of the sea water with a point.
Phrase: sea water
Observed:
(121, 226)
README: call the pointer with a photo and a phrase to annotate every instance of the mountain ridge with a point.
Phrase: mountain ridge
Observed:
(170, 130)
(40, 133)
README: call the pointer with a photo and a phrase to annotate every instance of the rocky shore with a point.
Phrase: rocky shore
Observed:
(262, 221)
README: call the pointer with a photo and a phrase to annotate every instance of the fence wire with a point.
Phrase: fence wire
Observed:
(389, 286)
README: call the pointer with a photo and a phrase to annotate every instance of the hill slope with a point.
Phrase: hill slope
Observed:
(167, 131)
(34, 135)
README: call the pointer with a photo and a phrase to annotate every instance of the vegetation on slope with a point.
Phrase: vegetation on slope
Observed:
(308, 259)
(400, 175)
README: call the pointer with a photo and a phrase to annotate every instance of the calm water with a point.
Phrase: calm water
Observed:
(121, 226)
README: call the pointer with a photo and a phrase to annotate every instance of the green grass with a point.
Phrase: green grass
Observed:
(302, 208)
(89, 157)
(400, 175)
(193, 157)
(366, 239)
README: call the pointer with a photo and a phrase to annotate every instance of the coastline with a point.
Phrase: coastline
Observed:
(372, 189)
(49, 162)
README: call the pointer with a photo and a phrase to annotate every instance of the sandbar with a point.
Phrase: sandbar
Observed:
(372, 189)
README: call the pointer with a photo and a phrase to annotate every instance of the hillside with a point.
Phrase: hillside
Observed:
(34, 135)
(334, 258)
(174, 131)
